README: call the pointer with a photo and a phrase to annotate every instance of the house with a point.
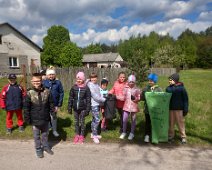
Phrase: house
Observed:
(103, 60)
(17, 51)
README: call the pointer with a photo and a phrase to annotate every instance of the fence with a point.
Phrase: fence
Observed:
(67, 75)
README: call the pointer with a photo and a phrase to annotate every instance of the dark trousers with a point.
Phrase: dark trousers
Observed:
(147, 125)
(79, 121)
(120, 111)
(40, 134)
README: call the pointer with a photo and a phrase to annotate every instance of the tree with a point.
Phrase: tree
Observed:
(204, 59)
(93, 49)
(57, 37)
(71, 56)
(140, 65)
(187, 45)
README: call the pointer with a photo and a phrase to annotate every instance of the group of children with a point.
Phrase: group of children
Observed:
(42, 101)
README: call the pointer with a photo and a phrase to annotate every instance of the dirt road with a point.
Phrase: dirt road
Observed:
(67, 156)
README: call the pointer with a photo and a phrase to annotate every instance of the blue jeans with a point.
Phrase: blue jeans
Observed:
(96, 119)
(40, 134)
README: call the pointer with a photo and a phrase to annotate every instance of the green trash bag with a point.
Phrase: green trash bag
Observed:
(158, 107)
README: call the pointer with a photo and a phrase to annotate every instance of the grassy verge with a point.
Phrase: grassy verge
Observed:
(198, 121)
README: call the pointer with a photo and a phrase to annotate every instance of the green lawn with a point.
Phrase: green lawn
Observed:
(198, 121)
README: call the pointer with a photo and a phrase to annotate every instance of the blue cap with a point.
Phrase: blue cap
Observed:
(153, 77)
(12, 76)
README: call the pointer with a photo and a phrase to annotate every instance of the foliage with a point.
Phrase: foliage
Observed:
(187, 44)
(204, 52)
(71, 55)
(93, 49)
(54, 41)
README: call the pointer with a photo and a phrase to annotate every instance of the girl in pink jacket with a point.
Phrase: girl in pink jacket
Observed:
(117, 90)
(131, 98)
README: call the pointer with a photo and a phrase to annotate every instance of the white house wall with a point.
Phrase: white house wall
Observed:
(18, 45)
(119, 58)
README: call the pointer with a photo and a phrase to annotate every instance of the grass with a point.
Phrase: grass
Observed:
(198, 121)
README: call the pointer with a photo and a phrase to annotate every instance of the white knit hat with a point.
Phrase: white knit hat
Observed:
(131, 78)
(50, 71)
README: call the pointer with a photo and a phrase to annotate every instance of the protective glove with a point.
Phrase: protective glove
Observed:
(27, 121)
(3, 108)
(132, 97)
(54, 115)
(185, 112)
(70, 111)
(109, 95)
(85, 113)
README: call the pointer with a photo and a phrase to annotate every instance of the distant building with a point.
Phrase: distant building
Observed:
(103, 60)
(16, 50)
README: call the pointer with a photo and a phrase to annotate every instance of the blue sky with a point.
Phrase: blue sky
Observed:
(106, 21)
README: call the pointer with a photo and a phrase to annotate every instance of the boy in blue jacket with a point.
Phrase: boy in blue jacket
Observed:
(178, 106)
(56, 88)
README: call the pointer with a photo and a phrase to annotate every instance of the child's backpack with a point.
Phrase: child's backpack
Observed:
(110, 107)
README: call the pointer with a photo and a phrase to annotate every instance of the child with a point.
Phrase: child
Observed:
(56, 88)
(178, 106)
(131, 97)
(12, 101)
(80, 101)
(117, 90)
(38, 106)
(104, 92)
(96, 100)
(151, 87)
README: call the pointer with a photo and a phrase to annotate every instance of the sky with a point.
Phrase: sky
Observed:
(106, 21)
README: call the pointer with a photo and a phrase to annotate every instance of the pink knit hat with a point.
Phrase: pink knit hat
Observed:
(80, 75)
(131, 78)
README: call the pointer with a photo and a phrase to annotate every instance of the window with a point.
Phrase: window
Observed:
(13, 62)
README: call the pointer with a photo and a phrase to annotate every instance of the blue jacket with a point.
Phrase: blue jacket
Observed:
(179, 99)
(56, 88)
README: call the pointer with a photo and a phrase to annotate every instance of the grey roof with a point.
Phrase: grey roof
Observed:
(103, 57)
(30, 41)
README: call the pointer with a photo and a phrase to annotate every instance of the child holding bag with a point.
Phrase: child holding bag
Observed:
(131, 98)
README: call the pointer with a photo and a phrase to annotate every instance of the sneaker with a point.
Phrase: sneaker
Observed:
(146, 138)
(9, 131)
(183, 141)
(131, 136)
(39, 153)
(98, 136)
(122, 136)
(81, 139)
(96, 139)
(49, 151)
(170, 139)
(55, 133)
(21, 129)
(76, 139)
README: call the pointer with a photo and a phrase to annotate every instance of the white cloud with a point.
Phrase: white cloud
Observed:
(173, 26)
(96, 20)
(205, 16)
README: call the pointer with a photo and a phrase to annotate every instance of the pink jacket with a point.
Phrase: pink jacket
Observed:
(129, 105)
(117, 90)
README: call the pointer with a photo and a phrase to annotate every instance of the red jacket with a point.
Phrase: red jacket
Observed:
(117, 90)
